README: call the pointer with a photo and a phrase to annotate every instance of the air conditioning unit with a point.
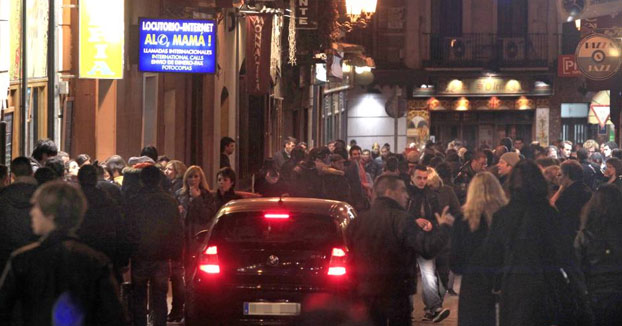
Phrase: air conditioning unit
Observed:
(459, 49)
(513, 49)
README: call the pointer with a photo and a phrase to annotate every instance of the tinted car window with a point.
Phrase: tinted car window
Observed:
(303, 229)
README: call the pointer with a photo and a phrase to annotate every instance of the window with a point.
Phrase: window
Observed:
(512, 17)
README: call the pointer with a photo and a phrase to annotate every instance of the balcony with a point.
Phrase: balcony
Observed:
(489, 51)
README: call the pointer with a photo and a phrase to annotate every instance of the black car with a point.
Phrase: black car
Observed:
(261, 258)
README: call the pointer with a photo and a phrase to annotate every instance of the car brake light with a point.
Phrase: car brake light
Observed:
(337, 264)
(209, 261)
(280, 216)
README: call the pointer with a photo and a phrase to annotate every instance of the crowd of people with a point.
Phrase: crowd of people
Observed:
(532, 230)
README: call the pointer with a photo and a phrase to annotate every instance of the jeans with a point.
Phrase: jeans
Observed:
(177, 285)
(152, 274)
(433, 291)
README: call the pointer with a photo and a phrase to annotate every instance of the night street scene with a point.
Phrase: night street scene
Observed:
(310, 162)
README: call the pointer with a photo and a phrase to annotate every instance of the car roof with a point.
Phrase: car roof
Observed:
(333, 208)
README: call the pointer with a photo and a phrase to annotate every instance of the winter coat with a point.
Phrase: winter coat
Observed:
(525, 249)
(156, 226)
(104, 228)
(477, 303)
(221, 199)
(199, 211)
(336, 187)
(113, 190)
(267, 189)
(15, 222)
(447, 197)
(279, 158)
(599, 252)
(383, 242)
(425, 197)
(569, 204)
(60, 269)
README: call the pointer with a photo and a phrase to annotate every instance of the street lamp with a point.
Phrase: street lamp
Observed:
(360, 11)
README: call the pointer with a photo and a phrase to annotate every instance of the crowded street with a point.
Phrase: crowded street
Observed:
(310, 162)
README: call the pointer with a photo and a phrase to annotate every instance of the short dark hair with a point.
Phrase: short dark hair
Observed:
(572, 169)
(20, 167)
(224, 142)
(150, 151)
(419, 167)
(57, 165)
(527, 182)
(617, 165)
(617, 153)
(82, 158)
(62, 200)
(392, 164)
(444, 170)
(163, 158)
(115, 163)
(582, 154)
(227, 172)
(386, 182)
(289, 140)
(611, 144)
(87, 176)
(545, 162)
(355, 148)
(478, 155)
(150, 176)
(44, 146)
(45, 175)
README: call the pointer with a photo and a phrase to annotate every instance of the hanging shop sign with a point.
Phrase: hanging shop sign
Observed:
(258, 45)
(187, 46)
(599, 56)
(102, 31)
(306, 14)
(567, 66)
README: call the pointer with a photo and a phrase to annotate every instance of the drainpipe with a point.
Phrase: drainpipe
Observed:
(24, 88)
(51, 69)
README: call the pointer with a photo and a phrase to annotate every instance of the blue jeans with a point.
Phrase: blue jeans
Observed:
(152, 274)
(433, 291)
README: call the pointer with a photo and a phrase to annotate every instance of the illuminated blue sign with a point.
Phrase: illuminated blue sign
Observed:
(177, 46)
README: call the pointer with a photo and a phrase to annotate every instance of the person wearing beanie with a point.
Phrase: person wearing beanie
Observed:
(506, 163)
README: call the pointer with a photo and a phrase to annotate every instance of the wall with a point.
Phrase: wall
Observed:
(4, 52)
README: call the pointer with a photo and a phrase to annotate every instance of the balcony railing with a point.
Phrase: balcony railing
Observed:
(486, 50)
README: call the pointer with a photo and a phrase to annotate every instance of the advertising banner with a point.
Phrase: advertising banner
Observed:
(187, 46)
(306, 14)
(102, 37)
(567, 66)
(258, 44)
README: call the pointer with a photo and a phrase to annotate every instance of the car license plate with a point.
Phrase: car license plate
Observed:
(271, 308)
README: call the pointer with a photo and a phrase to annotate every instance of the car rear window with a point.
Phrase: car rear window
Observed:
(306, 229)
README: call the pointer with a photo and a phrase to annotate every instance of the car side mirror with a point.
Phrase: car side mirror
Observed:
(200, 236)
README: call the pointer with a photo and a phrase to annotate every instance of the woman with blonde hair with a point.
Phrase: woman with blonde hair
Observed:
(174, 171)
(484, 197)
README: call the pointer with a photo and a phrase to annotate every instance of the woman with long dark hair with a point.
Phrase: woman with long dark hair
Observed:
(599, 250)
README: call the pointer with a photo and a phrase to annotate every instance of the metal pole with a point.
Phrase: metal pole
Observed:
(51, 68)
(24, 88)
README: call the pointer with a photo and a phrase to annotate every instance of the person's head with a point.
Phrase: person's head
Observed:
(150, 176)
(194, 178)
(45, 175)
(226, 178)
(297, 154)
(553, 175)
(175, 170)
(434, 180)
(392, 165)
(607, 147)
(591, 146)
(116, 164)
(506, 162)
(331, 146)
(44, 149)
(4, 176)
(444, 171)
(385, 151)
(603, 209)
(337, 162)
(83, 159)
(64, 156)
(484, 197)
(614, 168)
(151, 152)
(227, 145)
(87, 176)
(57, 165)
(366, 155)
(289, 144)
(527, 182)
(20, 167)
(355, 152)
(393, 187)
(419, 176)
(617, 153)
(375, 149)
(72, 167)
(552, 152)
(518, 143)
(479, 161)
(507, 142)
(566, 148)
(163, 161)
(582, 154)
(597, 158)
(57, 205)
(572, 171)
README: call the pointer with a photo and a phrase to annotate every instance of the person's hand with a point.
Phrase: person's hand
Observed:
(195, 192)
(424, 224)
(445, 217)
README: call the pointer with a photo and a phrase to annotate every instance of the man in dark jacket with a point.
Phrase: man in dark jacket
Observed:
(592, 176)
(572, 196)
(103, 228)
(159, 237)
(476, 164)
(283, 155)
(15, 230)
(59, 280)
(383, 242)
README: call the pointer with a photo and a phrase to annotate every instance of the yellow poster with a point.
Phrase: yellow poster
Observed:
(102, 35)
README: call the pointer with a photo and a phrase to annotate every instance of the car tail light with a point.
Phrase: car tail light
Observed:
(276, 216)
(208, 262)
(337, 264)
